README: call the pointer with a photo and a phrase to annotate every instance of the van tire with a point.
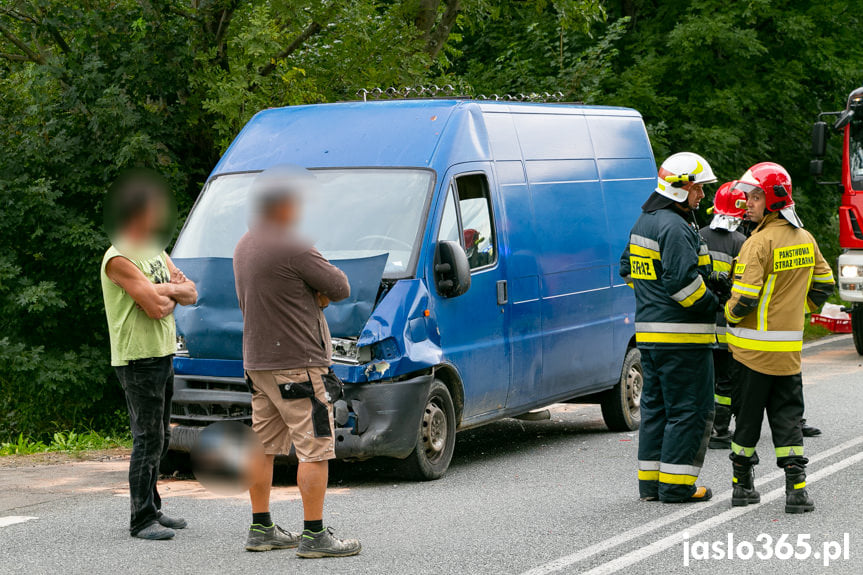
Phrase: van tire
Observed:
(435, 437)
(620, 406)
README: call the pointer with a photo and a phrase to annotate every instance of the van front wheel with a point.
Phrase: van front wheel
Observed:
(621, 407)
(435, 437)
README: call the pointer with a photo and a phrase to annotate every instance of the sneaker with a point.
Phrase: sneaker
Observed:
(273, 537)
(154, 532)
(171, 522)
(326, 544)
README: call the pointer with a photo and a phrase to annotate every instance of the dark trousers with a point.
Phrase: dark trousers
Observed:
(149, 386)
(781, 396)
(676, 419)
(723, 370)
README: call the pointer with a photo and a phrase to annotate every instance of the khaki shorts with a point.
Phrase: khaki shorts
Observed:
(290, 406)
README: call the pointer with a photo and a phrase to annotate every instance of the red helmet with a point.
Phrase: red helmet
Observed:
(729, 201)
(773, 180)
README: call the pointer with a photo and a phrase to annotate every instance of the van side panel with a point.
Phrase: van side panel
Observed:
(627, 172)
(571, 232)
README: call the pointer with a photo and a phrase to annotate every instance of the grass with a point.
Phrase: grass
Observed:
(65, 441)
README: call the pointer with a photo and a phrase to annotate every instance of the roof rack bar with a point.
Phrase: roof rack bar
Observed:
(448, 91)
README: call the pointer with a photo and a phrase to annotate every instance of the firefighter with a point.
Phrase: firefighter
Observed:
(779, 276)
(724, 242)
(667, 264)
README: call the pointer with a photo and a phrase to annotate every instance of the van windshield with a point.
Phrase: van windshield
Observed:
(355, 213)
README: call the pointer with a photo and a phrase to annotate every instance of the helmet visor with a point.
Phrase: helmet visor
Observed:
(747, 188)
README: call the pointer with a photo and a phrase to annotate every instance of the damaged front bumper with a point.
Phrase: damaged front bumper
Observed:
(386, 418)
(372, 419)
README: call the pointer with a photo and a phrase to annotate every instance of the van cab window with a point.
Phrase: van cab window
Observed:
(449, 228)
(353, 213)
(476, 220)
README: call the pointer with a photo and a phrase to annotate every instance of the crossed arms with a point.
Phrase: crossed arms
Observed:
(157, 300)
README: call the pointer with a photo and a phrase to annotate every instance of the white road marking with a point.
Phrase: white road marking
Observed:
(636, 532)
(14, 519)
(826, 340)
(670, 541)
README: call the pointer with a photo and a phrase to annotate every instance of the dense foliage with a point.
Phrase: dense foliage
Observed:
(90, 87)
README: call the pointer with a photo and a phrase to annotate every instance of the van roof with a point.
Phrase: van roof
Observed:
(386, 133)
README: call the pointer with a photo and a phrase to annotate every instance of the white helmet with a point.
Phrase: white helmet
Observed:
(680, 169)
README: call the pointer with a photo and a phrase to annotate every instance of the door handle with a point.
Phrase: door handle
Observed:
(502, 295)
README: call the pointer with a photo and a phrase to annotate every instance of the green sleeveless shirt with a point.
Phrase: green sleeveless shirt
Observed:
(134, 335)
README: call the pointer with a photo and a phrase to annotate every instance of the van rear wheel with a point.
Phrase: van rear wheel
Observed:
(435, 437)
(621, 406)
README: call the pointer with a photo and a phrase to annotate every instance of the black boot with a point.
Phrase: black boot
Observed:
(744, 486)
(808, 430)
(797, 499)
(720, 438)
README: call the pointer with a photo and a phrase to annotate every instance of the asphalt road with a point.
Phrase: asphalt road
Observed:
(557, 496)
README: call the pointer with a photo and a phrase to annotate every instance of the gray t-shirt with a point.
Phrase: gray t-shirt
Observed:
(278, 278)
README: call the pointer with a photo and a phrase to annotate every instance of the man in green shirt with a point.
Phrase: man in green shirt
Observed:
(141, 286)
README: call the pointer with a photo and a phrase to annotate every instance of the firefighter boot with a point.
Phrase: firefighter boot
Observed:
(720, 438)
(797, 499)
(744, 486)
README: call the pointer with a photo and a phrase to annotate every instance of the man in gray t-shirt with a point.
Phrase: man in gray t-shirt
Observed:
(283, 283)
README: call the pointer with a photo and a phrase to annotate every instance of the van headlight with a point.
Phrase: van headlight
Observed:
(345, 350)
(849, 271)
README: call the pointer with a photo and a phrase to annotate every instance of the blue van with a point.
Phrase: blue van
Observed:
(481, 240)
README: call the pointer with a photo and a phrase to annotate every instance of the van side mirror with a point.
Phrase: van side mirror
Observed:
(844, 119)
(816, 167)
(451, 269)
(819, 139)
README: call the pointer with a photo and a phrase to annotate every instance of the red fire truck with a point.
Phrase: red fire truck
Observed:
(850, 123)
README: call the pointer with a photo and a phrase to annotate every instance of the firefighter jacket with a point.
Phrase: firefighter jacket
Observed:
(780, 275)
(666, 262)
(724, 247)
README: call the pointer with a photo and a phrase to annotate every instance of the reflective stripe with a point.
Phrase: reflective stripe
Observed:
(704, 260)
(720, 333)
(644, 337)
(677, 479)
(721, 257)
(800, 485)
(703, 250)
(679, 469)
(721, 399)
(644, 242)
(683, 296)
(719, 266)
(765, 340)
(765, 302)
(637, 250)
(789, 451)
(740, 450)
(658, 332)
(662, 327)
(823, 278)
(648, 475)
(746, 289)
(730, 316)
(648, 465)
(721, 338)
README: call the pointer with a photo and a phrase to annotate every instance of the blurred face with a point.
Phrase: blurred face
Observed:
(756, 202)
(148, 223)
(285, 213)
(696, 194)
